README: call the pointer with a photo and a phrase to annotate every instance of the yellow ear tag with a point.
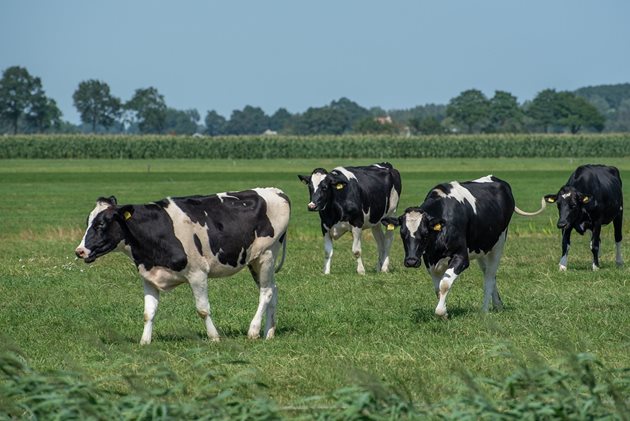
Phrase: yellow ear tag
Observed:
(339, 186)
(586, 199)
(127, 215)
(551, 200)
(437, 227)
(390, 227)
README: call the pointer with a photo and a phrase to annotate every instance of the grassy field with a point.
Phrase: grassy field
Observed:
(333, 331)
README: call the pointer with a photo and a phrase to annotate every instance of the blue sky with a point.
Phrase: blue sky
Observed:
(221, 56)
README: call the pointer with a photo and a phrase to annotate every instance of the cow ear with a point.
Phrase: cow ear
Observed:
(305, 179)
(125, 212)
(111, 200)
(551, 198)
(436, 224)
(390, 222)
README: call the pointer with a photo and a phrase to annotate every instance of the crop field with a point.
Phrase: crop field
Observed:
(375, 332)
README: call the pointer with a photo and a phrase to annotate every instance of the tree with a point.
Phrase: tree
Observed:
(181, 121)
(280, 120)
(215, 123)
(470, 108)
(322, 120)
(352, 111)
(149, 110)
(43, 115)
(575, 113)
(427, 125)
(95, 104)
(19, 91)
(504, 113)
(251, 120)
(544, 110)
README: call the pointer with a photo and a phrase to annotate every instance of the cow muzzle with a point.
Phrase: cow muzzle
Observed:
(312, 206)
(83, 253)
(412, 262)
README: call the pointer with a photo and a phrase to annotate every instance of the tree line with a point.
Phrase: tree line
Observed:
(25, 108)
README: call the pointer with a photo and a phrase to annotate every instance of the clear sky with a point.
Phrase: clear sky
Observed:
(223, 55)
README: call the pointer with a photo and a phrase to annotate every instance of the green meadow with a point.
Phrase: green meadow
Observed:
(376, 332)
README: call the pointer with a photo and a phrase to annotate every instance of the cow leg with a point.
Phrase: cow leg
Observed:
(356, 249)
(328, 252)
(617, 225)
(151, 300)
(199, 286)
(381, 244)
(490, 265)
(456, 266)
(264, 266)
(595, 240)
(566, 245)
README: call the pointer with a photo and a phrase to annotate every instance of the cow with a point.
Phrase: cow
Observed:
(354, 199)
(180, 240)
(458, 222)
(591, 198)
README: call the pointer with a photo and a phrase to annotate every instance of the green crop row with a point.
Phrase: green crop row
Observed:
(352, 146)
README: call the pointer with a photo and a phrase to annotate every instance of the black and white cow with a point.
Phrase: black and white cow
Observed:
(455, 223)
(188, 239)
(591, 198)
(354, 199)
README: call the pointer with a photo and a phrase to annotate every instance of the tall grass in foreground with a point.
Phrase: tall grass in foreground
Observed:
(580, 388)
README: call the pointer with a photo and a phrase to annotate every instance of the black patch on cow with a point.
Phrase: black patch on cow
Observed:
(152, 238)
(233, 222)
(198, 244)
(285, 197)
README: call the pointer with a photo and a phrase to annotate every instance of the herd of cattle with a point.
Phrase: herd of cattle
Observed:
(188, 239)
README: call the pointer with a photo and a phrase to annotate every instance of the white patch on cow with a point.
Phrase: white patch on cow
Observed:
(316, 179)
(393, 202)
(462, 194)
(378, 166)
(100, 207)
(486, 179)
(162, 278)
(346, 173)
(222, 196)
(566, 195)
(412, 221)
(440, 193)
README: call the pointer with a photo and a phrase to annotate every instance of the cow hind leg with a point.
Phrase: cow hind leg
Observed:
(328, 252)
(595, 241)
(381, 244)
(151, 300)
(617, 222)
(264, 266)
(199, 287)
(489, 266)
(356, 249)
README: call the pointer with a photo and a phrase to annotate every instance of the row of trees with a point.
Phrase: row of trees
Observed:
(24, 107)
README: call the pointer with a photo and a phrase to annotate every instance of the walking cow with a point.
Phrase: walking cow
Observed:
(188, 239)
(458, 222)
(354, 199)
(591, 198)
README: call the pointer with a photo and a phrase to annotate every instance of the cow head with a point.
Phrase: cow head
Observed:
(319, 188)
(417, 231)
(571, 208)
(105, 229)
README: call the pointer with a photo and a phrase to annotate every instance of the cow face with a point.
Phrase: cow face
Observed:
(417, 231)
(319, 189)
(104, 230)
(571, 208)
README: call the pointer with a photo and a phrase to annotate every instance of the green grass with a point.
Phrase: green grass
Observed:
(333, 331)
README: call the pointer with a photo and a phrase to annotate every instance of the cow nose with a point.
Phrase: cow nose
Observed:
(412, 262)
(80, 252)
(312, 206)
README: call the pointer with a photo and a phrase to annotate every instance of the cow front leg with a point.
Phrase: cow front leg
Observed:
(566, 245)
(595, 242)
(268, 296)
(199, 287)
(455, 267)
(382, 246)
(151, 300)
(328, 252)
(356, 249)
(617, 222)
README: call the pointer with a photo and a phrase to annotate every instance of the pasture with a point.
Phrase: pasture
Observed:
(375, 331)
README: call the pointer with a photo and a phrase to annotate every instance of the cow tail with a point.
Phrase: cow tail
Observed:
(283, 240)
(523, 213)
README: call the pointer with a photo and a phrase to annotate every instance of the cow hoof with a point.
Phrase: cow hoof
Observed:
(562, 268)
(619, 264)
(595, 267)
(214, 339)
(441, 312)
(271, 333)
(145, 341)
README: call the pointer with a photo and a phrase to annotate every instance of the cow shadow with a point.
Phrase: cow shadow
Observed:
(427, 314)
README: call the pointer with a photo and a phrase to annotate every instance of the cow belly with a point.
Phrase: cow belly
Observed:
(340, 228)
(162, 278)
